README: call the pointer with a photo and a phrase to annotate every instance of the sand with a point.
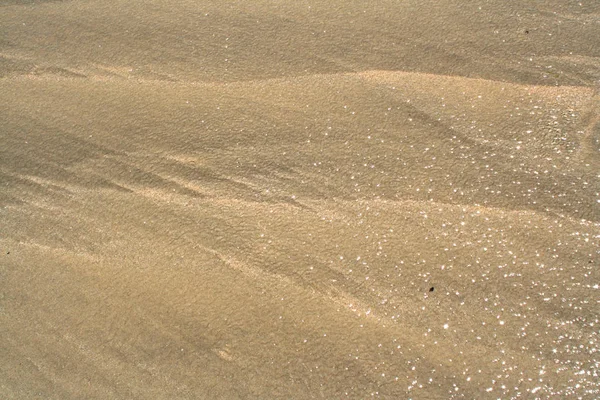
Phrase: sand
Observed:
(299, 199)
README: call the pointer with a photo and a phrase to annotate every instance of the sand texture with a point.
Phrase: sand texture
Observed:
(299, 199)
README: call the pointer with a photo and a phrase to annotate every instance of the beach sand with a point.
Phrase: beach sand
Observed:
(299, 199)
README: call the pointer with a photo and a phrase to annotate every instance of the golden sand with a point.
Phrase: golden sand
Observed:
(299, 199)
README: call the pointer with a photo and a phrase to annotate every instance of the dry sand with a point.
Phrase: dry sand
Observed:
(299, 199)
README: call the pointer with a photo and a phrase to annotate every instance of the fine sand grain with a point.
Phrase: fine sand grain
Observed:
(299, 199)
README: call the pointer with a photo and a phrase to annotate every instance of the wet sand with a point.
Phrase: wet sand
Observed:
(299, 199)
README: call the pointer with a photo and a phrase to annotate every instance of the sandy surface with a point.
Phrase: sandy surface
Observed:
(299, 199)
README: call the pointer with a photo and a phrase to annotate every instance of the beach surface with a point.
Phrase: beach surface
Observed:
(299, 199)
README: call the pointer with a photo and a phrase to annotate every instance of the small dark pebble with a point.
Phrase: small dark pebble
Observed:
(431, 289)
(8, 252)
(527, 32)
